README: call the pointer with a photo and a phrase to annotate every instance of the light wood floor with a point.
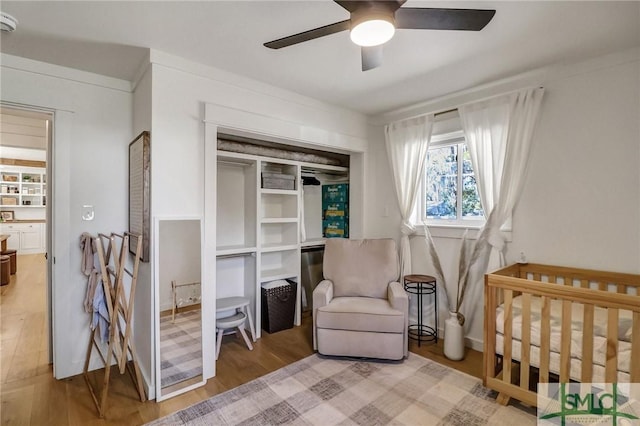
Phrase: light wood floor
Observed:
(30, 395)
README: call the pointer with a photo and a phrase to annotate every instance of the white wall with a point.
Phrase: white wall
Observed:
(383, 218)
(580, 205)
(91, 131)
(179, 187)
(581, 202)
(143, 335)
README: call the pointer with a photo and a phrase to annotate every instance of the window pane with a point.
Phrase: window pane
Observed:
(442, 182)
(471, 206)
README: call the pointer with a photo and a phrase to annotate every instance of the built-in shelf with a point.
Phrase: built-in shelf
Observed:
(313, 243)
(258, 229)
(22, 187)
(277, 274)
(267, 248)
(279, 191)
(279, 220)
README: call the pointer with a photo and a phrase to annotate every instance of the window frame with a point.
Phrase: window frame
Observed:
(440, 141)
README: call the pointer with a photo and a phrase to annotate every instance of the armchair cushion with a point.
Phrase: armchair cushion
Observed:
(360, 314)
(360, 267)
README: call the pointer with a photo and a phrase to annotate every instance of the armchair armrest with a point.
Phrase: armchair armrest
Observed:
(322, 295)
(399, 300)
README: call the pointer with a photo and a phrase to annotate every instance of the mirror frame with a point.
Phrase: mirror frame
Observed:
(156, 289)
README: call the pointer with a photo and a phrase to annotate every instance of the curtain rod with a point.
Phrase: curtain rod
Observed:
(486, 98)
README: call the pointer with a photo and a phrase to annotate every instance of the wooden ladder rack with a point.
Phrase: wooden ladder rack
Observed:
(112, 257)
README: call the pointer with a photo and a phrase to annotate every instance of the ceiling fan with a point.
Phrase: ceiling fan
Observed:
(373, 23)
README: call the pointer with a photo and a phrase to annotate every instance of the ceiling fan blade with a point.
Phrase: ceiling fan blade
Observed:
(443, 19)
(309, 35)
(371, 57)
(354, 5)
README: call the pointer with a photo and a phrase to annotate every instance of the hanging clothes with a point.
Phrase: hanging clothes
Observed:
(94, 301)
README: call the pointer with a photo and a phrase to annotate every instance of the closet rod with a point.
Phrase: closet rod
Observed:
(185, 284)
(225, 256)
(234, 163)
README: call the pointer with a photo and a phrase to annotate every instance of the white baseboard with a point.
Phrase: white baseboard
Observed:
(469, 342)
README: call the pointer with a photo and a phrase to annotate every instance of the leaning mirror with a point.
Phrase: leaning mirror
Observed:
(178, 274)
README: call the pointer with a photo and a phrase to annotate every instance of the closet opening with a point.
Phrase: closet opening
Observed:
(272, 218)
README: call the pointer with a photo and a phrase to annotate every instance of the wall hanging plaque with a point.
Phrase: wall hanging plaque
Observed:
(139, 192)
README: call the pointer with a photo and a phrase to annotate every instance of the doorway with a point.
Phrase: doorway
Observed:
(25, 195)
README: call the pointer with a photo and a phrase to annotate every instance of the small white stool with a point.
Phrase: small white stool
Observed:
(237, 303)
(236, 321)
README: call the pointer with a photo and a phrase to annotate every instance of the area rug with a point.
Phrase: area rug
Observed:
(180, 347)
(324, 391)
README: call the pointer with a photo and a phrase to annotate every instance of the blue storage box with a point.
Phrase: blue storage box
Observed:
(335, 193)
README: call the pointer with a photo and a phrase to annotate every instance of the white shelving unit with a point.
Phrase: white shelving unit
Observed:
(236, 243)
(22, 187)
(258, 229)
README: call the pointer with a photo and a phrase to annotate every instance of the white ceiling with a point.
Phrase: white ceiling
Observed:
(112, 38)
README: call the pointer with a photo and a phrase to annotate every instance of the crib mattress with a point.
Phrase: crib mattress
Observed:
(599, 338)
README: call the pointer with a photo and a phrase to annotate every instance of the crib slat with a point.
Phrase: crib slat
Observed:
(525, 347)
(490, 305)
(611, 364)
(602, 286)
(536, 276)
(587, 344)
(584, 283)
(552, 279)
(545, 339)
(565, 345)
(507, 336)
(635, 349)
(622, 288)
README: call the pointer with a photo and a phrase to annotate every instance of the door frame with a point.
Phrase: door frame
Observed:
(49, 216)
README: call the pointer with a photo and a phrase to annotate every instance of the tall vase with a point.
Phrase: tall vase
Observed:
(453, 338)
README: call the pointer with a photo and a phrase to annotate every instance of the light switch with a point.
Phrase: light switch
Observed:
(87, 212)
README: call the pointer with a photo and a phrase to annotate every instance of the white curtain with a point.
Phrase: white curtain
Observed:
(407, 144)
(498, 134)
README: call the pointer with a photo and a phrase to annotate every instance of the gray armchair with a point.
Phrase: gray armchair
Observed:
(360, 309)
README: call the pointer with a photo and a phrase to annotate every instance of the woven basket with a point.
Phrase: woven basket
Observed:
(278, 307)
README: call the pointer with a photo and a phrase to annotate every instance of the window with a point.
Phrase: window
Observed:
(450, 195)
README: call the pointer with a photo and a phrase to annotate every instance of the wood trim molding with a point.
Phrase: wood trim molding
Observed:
(23, 163)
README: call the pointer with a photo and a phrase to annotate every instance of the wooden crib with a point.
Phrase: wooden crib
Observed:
(548, 323)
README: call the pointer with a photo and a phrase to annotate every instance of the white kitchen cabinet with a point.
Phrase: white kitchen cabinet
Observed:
(26, 238)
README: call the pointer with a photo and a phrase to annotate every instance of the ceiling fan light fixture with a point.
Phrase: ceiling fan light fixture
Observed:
(372, 30)
(7, 22)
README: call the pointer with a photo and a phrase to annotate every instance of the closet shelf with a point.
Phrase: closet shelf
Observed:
(279, 220)
(277, 274)
(311, 243)
(267, 248)
(279, 191)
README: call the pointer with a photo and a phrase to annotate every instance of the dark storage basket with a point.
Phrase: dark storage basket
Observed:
(278, 307)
